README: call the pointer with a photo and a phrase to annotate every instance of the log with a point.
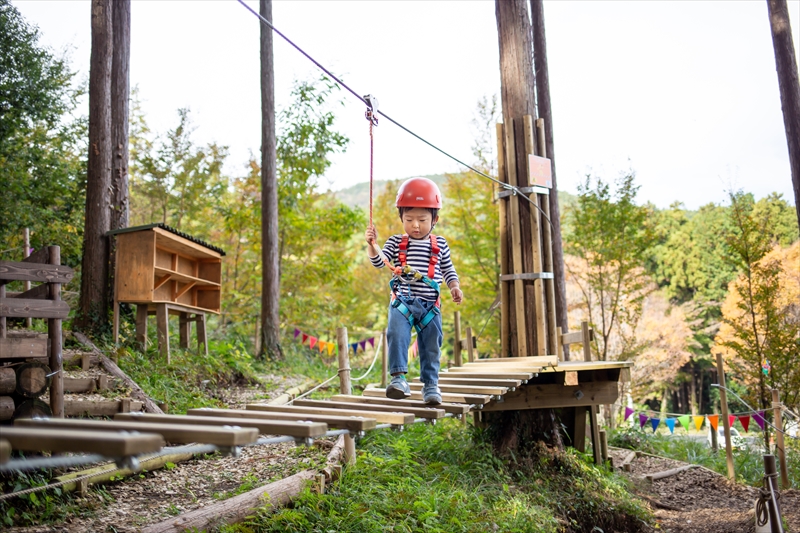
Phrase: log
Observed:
(31, 409)
(101, 474)
(112, 368)
(660, 505)
(236, 509)
(32, 379)
(100, 407)
(8, 380)
(668, 473)
(6, 407)
(627, 460)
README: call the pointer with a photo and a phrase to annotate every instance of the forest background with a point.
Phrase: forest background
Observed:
(666, 288)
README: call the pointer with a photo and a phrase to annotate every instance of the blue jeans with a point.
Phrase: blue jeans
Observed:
(429, 340)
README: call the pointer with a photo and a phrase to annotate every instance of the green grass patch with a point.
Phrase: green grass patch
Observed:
(446, 478)
(748, 461)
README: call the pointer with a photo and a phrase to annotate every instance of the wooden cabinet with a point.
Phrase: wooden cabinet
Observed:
(155, 264)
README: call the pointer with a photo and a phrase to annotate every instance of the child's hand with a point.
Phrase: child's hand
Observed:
(456, 293)
(371, 235)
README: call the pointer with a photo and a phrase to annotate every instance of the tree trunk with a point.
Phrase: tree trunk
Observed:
(786, 65)
(546, 113)
(93, 308)
(120, 97)
(271, 276)
(518, 430)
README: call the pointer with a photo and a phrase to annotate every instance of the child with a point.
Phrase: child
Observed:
(415, 300)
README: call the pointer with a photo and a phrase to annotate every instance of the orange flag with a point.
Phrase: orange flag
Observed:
(698, 422)
(714, 421)
(321, 346)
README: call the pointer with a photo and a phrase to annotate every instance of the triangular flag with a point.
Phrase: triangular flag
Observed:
(312, 341)
(698, 421)
(745, 421)
(655, 422)
(760, 420)
(642, 419)
(714, 421)
(670, 422)
(363, 345)
(354, 346)
(321, 346)
(331, 346)
(684, 420)
(414, 349)
(371, 341)
(296, 332)
(628, 413)
(305, 338)
(731, 420)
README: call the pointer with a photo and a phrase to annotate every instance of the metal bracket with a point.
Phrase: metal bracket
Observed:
(524, 190)
(527, 276)
(130, 462)
(372, 109)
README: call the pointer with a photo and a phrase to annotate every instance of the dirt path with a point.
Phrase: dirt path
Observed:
(702, 501)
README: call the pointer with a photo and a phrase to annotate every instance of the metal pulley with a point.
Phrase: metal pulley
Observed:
(372, 109)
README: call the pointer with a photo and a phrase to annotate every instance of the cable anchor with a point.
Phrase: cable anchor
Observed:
(371, 113)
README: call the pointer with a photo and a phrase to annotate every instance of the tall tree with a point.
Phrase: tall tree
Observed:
(270, 256)
(786, 65)
(93, 308)
(545, 111)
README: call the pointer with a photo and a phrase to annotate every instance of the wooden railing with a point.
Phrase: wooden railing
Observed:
(42, 301)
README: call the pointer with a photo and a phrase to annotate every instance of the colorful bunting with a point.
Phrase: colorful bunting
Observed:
(684, 420)
(312, 341)
(731, 420)
(745, 421)
(296, 332)
(363, 345)
(322, 346)
(354, 346)
(714, 421)
(655, 422)
(642, 419)
(628, 413)
(760, 420)
(331, 347)
(670, 422)
(698, 421)
(305, 337)
(371, 341)
(765, 367)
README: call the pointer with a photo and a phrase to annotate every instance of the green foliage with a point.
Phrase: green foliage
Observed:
(440, 478)
(41, 146)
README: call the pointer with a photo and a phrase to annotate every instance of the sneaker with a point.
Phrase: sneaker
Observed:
(431, 394)
(398, 389)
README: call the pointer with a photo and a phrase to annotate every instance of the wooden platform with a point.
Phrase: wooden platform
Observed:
(394, 418)
(265, 427)
(451, 408)
(341, 422)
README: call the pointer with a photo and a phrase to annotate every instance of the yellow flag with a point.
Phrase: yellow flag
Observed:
(330, 348)
(698, 422)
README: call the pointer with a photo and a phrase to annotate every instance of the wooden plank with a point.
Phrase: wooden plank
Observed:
(169, 241)
(505, 328)
(565, 366)
(175, 434)
(587, 351)
(5, 451)
(547, 253)
(479, 382)
(22, 348)
(97, 408)
(342, 422)
(536, 243)
(450, 408)
(136, 252)
(21, 271)
(266, 427)
(79, 385)
(24, 308)
(579, 439)
(419, 412)
(497, 371)
(553, 396)
(594, 426)
(542, 360)
(395, 418)
(42, 255)
(446, 397)
(468, 373)
(464, 389)
(162, 330)
(572, 338)
(36, 293)
(107, 443)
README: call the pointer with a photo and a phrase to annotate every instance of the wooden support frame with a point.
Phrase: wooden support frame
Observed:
(505, 306)
(538, 284)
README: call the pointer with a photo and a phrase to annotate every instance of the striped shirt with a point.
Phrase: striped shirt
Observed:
(418, 256)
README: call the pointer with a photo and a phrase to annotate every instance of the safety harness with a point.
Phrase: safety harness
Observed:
(394, 284)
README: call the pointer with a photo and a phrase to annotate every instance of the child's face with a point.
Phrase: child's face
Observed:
(417, 222)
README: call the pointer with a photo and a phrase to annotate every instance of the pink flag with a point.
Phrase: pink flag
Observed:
(628, 413)
(760, 420)
(296, 332)
(312, 341)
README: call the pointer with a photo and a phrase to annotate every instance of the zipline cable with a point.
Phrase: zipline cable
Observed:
(515, 190)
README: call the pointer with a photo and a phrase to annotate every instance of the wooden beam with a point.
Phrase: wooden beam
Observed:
(465, 389)
(341, 422)
(542, 360)
(5, 451)
(97, 407)
(505, 328)
(465, 373)
(36, 293)
(397, 419)
(446, 397)
(478, 382)
(553, 396)
(451, 408)
(162, 280)
(420, 412)
(576, 337)
(107, 443)
(536, 243)
(24, 308)
(25, 271)
(265, 427)
(22, 348)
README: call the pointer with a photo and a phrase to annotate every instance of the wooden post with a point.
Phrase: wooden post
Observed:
(54, 334)
(457, 340)
(547, 253)
(202, 334)
(344, 388)
(593, 423)
(723, 401)
(536, 242)
(587, 349)
(384, 360)
(505, 308)
(26, 285)
(141, 326)
(560, 346)
(162, 329)
(603, 445)
(778, 417)
(2, 318)
(579, 439)
(770, 472)
(470, 347)
(184, 327)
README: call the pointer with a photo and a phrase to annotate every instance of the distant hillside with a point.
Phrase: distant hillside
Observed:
(358, 194)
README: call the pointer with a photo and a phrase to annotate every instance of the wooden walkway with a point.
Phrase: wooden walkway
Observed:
(482, 386)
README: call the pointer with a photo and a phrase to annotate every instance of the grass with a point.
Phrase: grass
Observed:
(445, 478)
(748, 461)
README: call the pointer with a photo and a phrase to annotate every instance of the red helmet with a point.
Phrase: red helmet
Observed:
(419, 192)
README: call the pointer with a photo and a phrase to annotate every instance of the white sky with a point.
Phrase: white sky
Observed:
(684, 93)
